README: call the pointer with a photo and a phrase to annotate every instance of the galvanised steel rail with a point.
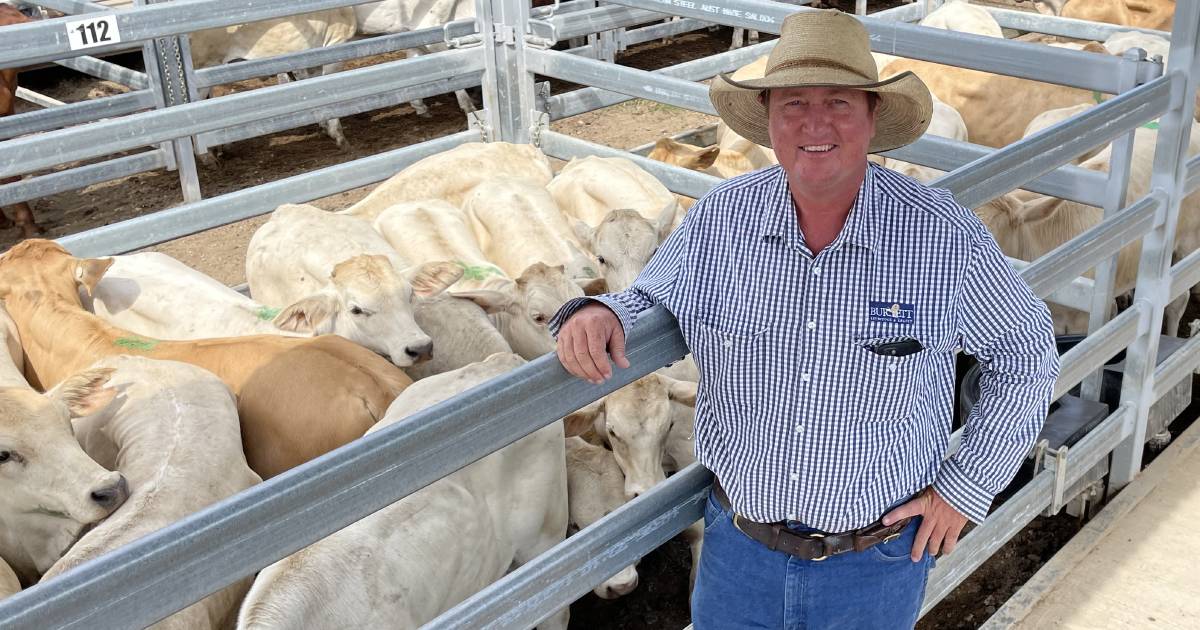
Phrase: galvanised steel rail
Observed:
(1064, 26)
(102, 138)
(80, 176)
(173, 223)
(75, 113)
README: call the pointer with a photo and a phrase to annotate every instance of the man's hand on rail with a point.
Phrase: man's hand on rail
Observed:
(941, 524)
(586, 340)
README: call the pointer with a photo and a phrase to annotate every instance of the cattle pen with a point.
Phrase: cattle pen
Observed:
(504, 51)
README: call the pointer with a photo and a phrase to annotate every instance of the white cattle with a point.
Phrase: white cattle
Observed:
(963, 17)
(173, 432)
(403, 565)
(50, 490)
(728, 140)
(336, 274)
(623, 243)
(9, 584)
(945, 122)
(268, 38)
(518, 224)
(400, 16)
(451, 175)
(1155, 46)
(435, 230)
(157, 296)
(1034, 228)
(595, 487)
(588, 188)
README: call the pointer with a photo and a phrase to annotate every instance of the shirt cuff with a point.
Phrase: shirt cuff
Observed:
(962, 493)
(625, 316)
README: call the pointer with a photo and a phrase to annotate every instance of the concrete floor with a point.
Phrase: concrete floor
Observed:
(1136, 565)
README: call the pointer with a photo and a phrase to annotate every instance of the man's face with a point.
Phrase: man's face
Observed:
(820, 136)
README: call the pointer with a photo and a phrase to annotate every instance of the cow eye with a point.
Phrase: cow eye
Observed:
(355, 310)
(5, 456)
(601, 260)
(540, 319)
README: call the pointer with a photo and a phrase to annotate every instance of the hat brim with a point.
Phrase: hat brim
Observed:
(903, 111)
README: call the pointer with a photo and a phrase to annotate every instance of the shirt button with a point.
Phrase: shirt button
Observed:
(892, 367)
(805, 377)
(816, 271)
(799, 428)
(795, 477)
(728, 343)
(812, 324)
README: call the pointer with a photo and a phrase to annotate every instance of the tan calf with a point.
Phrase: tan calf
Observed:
(1158, 15)
(297, 398)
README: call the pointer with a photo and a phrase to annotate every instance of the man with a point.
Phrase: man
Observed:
(823, 301)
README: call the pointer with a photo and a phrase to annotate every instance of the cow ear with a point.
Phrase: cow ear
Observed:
(490, 301)
(707, 157)
(85, 393)
(584, 233)
(432, 278)
(666, 220)
(683, 392)
(580, 421)
(309, 315)
(592, 286)
(89, 271)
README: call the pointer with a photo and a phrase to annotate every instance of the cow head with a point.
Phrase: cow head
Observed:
(370, 303)
(635, 421)
(523, 313)
(623, 243)
(595, 487)
(50, 490)
(684, 155)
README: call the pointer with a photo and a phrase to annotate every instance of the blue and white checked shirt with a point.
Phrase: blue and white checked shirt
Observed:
(796, 418)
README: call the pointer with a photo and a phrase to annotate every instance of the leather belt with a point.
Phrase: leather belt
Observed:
(814, 546)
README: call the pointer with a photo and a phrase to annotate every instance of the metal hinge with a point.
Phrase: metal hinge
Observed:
(541, 122)
(504, 34)
(477, 120)
(1056, 461)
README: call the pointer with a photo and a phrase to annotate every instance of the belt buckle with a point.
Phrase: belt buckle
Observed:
(824, 550)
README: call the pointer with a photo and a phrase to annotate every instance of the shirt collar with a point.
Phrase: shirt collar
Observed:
(862, 225)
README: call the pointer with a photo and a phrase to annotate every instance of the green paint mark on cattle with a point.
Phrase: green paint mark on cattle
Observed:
(591, 273)
(136, 343)
(267, 313)
(478, 272)
(1097, 96)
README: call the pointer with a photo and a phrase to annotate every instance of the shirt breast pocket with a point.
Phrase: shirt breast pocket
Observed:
(889, 383)
(730, 361)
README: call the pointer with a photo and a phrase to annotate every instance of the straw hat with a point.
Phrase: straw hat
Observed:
(826, 49)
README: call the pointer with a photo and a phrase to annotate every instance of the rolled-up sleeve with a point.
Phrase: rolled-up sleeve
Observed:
(1010, 332)
(654, 285)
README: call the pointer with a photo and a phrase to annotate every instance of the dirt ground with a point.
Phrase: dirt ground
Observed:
(661, 599)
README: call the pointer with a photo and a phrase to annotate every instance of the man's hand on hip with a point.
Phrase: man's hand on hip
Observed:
(941, 524)
(587, 338)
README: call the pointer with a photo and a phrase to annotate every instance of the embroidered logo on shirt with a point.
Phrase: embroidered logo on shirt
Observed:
(892, 312)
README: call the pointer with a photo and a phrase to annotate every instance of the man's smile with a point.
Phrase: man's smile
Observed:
(818, 148)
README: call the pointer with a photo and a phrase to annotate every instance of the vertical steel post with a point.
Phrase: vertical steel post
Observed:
(508, 93)
(1114, 201)
(1154, 280)
(168, 74)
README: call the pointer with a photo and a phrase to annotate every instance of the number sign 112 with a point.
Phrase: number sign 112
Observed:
(93, 31)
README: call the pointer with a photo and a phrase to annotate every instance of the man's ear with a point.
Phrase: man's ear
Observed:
(89, 271)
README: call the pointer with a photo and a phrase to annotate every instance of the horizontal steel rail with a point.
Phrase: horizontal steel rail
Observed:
(1185, 274)
(338, 110)
(71, 7)
(101, 138)
(183, 220)
(563, 574)
(1098, 347)
(107, 71)
(1193, 175)
(1065, 182)
(589, 99)
(80, 177)
(150, 578)
(1092, 247)
(676, 179)
(673, 28)
(1077, 294)
(1064, 26)
(314, 57)
(75, 113)
(604, 18)
(46, 40)
(1012, 166)
(1010, 518)
(630, 81)
(1181, 364)
(990, 54)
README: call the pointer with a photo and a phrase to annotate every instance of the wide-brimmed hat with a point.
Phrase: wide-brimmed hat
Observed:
(826, 48)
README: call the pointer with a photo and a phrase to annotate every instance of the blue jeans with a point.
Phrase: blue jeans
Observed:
(743, 584)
